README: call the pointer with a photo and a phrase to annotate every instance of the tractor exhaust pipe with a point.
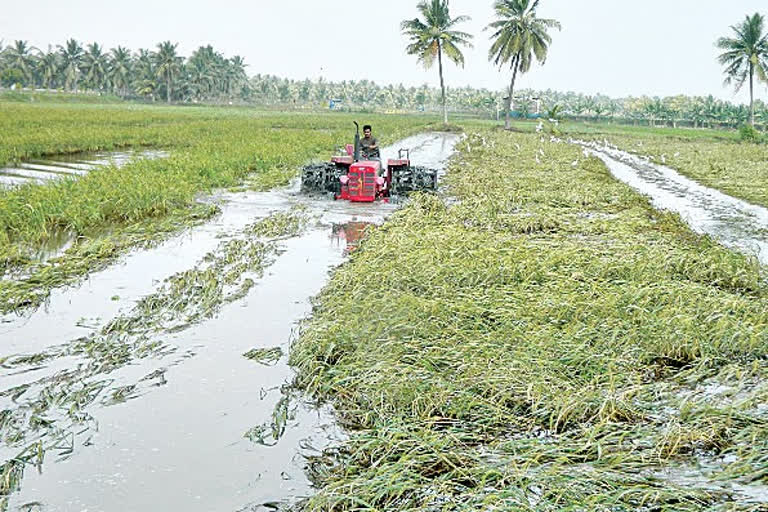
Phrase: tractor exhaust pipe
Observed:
(357, 141)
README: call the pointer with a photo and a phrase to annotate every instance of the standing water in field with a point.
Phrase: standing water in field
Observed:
(69, 166)
(733, 222)
(126, 394)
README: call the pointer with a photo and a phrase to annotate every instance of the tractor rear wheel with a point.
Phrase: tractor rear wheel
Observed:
(413, 179)
(320, 178)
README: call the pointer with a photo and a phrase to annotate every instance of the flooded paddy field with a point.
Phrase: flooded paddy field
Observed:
(539, 336)
(733, 222)
(70, 166)
(101, 215)
(162, 381)
(546, 339)
(733, 168)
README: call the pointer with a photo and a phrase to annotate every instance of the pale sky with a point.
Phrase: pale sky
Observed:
(615, 47)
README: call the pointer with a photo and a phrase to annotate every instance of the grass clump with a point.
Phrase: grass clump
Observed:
(748, 133)
(265, 356)
(280, 224)
(447, 128)
(544, 340)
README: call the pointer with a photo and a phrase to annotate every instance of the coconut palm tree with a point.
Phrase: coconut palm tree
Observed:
(745, 56)
(144, 74)
(71, 59)
(239, 78)
(95, 66)
(48, 66)
(168, 65)
(120, 69)
(19, 56)
(199, 79)
(519, 36)
(435, 36)
(201, 72)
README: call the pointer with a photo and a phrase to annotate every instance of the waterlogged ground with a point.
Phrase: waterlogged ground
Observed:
(734, 222)
(69, 166)
(545, 340)
(161, 382)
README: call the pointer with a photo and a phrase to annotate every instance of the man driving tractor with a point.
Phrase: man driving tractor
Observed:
(369, 145)
(360, 175)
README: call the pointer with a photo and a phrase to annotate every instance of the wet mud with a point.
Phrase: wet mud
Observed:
(191, 411)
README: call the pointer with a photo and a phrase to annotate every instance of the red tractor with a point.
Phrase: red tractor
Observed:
(354, 179)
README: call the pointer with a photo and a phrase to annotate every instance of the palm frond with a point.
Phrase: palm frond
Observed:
(431, 34)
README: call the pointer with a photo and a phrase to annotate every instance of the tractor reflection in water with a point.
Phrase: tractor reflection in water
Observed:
(351, 234)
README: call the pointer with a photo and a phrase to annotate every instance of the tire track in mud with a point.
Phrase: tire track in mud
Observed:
(193, 375)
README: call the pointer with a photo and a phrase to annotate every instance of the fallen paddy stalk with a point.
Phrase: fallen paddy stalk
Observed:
(54, 411)
(28, 285)
(544, 341)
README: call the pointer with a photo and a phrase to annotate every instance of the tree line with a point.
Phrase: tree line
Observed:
(151, 74)
(519, 38)
(350, 95)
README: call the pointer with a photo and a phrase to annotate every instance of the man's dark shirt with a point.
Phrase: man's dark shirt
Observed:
(365, 147)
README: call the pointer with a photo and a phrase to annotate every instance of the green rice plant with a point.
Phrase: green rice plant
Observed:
(265, 356)
(269, 433)
(280, 224)
(28, 284)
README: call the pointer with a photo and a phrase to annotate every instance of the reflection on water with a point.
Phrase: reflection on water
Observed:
(733, 222)
(349, 235)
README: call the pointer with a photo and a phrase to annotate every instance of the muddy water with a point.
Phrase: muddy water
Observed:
(178, 441)
(62, 166)
(733, 222)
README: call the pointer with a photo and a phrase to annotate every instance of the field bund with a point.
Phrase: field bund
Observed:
(541, 338)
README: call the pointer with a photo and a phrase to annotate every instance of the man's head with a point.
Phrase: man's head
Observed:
(367, 130)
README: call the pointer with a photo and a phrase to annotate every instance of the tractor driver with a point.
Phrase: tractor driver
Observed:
(369, 145)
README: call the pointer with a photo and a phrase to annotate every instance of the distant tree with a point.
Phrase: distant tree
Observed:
(305, 91)
(71, 58)
(203, 72)
(519, 36)
(435, 36)
(555, 113)
(144, 74)
(745, 56)
(48, 67)
(10, 77)
(168, 66)
(19, 56)
(95, 67)
(120, 70)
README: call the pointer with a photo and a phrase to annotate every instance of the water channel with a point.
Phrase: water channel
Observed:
(733, 222)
